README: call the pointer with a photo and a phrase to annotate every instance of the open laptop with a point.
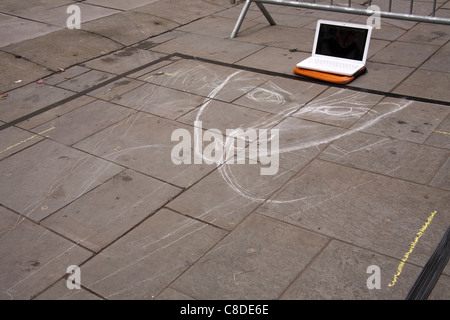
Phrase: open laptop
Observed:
(339, 48)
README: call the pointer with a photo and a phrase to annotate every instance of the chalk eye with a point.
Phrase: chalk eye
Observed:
(335, 111)
(267, 96)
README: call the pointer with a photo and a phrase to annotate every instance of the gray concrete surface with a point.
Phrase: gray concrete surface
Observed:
(87, 177)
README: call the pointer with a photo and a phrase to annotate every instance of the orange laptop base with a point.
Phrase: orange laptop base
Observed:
(329, 77)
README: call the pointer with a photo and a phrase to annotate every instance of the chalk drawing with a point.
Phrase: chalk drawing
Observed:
(343, 104)
(413, 245)
(202, 79)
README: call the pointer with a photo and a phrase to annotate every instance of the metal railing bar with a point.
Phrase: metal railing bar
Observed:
(333, 8)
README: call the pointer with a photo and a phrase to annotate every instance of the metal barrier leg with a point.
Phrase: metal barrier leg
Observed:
(244, 12)
(240, 19)
(266, 13)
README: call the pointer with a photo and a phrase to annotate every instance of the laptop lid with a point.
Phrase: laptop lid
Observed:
(342, 40)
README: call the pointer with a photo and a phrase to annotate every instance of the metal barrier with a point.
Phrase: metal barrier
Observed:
(343, 9)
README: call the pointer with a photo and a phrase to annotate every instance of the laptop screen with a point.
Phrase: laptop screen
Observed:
(341, 41)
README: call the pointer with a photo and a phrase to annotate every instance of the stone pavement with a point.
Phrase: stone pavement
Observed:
(88, 122)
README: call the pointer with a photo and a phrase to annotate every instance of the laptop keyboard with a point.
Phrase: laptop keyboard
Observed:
(333, 63)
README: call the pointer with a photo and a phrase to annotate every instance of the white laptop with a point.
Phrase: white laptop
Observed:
(339, 47)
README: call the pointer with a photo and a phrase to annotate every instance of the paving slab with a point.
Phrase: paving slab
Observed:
(234, 11)
(340, 273)
(61, 76)
(402, 24)
(146, 260)
(395, 54)
(16, 29)
(208, 47)
(127, 199)
(152, 67)
(439, 61)
(17, 71)
(285, 62)
(215, 115)
(365, 209)
(257, 260)
(404, 6)
(64, 48)
(55, 175)
(38, 260)
(55, 112)
(164, 37)
(412, 121)
(115, 89)
(172, 294)
(59, 292)
(444, 11)
(83, 122)
(394, 158)
(280, 96)
(14, 139)
(192, 9)
(427, 33)
(161, 101)
(386, 32)
(338, 107)
(121, 4)
(18, 6)
(58, 16)
(229, 194)
(216, 26)
(28, 99)
(375, 46)
(442, 178)
(293, 18)
(124, 60)
(309, 13)
(432, 88)
(382, 77)
(206, 79)
(301, 141)
(129, 27)
(267, 35)
(86, 80)
(441, 290)
(143, 142)
(441, 135)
